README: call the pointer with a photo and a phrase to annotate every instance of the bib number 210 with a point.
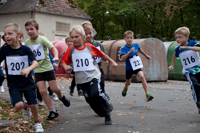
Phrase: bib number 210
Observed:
(82, 62)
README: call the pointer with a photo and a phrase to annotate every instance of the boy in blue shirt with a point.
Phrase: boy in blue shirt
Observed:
(187, 51)
(129, 53)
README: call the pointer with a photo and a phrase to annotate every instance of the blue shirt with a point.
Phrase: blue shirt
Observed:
(191, 43)
(125, 50)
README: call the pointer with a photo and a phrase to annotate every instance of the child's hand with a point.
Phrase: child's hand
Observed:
(114, 64)
(68, 68)
(55, 65)
(182, 47)
(55, 59)
(132, 49)
(25, 72)
(171, 68)
(148, 57)
(106, 63)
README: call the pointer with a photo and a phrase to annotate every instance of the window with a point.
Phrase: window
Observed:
(62, 28)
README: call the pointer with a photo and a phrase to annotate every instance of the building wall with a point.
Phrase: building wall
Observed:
(18, 18)
(47, 23)
(49, 29)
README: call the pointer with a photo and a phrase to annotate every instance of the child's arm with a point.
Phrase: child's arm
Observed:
(26, 71)
(66, 67)
(171, 67)
(146, 55)
(105, 57)
(195, 48)
(59, 62)
(53, 62)
(55, 53)
(125, 56)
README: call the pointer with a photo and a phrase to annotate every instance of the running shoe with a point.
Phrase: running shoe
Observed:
(27, 114)
(124, 91)
(65, 101)
(52, 115)
(108, 120)
(54, 97)
(149, 97)
(38, 127)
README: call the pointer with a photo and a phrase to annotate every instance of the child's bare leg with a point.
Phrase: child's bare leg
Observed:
(143, 80)
(54, 88)
(127, 83)
(43, 91)
(34, 110)
(19, 105)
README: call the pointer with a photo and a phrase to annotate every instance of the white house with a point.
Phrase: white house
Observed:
(55, 17)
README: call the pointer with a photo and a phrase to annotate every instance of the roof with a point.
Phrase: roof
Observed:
(57, 7)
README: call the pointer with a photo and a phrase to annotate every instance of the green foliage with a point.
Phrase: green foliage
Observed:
(146, 18)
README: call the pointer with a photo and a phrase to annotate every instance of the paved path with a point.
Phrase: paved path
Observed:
(172, 111)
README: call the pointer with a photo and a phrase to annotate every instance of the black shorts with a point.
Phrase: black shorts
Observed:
(130, 72)
(29, 93)
(45, 76)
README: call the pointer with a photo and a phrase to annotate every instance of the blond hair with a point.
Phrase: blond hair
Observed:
(78, 29)
(183, 30)
(16, 28)
(87, 25)
(42, 34)
(32, 22)
(68, 37)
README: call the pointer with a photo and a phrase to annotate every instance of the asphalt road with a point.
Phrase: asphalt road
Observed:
(172, 111)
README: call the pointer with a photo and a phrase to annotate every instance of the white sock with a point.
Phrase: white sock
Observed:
(54, 110)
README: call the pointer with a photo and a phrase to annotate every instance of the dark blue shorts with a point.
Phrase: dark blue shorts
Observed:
(29, 93)
(130, 72)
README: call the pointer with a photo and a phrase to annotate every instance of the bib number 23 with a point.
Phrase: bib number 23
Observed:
(136, 63)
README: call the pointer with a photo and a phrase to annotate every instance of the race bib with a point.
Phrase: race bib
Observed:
(98, 59)
(16, 63)
(189, 59)
(82, 62)
(136, 62)
(38, 51)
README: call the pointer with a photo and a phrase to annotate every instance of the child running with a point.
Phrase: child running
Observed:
(40, 45)
(87, 74)
(18, 70)
(188, 53)
(69, 42)
(129, 53)
(89, 32)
